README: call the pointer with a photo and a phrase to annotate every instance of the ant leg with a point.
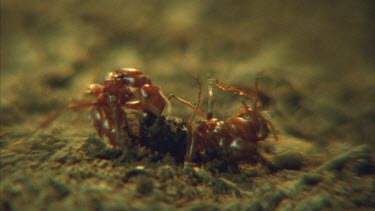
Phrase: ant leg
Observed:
(185, 102)
(191, 131)
(257, 116)
(253, 112)
(80, 105)
(190, 138)
(237, 91)
(273, 129)
(133, 105)
(42, 125)
(240, 91)
(114, 118)
(58, 113)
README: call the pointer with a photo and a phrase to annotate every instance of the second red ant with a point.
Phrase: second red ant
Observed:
(232, 139)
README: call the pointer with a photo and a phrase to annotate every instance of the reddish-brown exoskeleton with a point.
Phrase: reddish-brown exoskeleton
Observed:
(232, 139)
(123, 88)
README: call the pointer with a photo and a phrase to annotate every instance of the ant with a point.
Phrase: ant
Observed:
(122, 88)
(233, 139)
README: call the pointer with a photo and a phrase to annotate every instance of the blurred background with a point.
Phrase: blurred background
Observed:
(317, 57)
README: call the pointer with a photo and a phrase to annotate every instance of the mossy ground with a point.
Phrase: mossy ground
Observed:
(318, 87)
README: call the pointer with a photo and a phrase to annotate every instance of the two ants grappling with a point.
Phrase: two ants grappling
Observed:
(233, 139)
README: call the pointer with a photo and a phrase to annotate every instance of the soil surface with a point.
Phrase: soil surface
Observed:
(317, 87)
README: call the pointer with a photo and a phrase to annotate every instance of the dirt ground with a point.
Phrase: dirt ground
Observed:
(318, 87)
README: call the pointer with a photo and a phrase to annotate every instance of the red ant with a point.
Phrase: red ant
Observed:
(123, 88)
(232, 139)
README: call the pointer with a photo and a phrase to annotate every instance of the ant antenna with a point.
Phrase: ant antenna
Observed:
(42, 126)
(196, 109)
(52, 117)
(179, 99)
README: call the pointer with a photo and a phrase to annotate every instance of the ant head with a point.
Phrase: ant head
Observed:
(148, 91)
(153, 100)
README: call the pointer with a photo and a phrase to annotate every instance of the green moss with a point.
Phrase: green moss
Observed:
(95, 147)
(358, 160)
(223, 186)
(61, 189)
(310, 179)
(145, 186)
(288, 160)
(204, 207)
(314, 203)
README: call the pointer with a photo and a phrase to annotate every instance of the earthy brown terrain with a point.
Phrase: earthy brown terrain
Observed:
(318, 87)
